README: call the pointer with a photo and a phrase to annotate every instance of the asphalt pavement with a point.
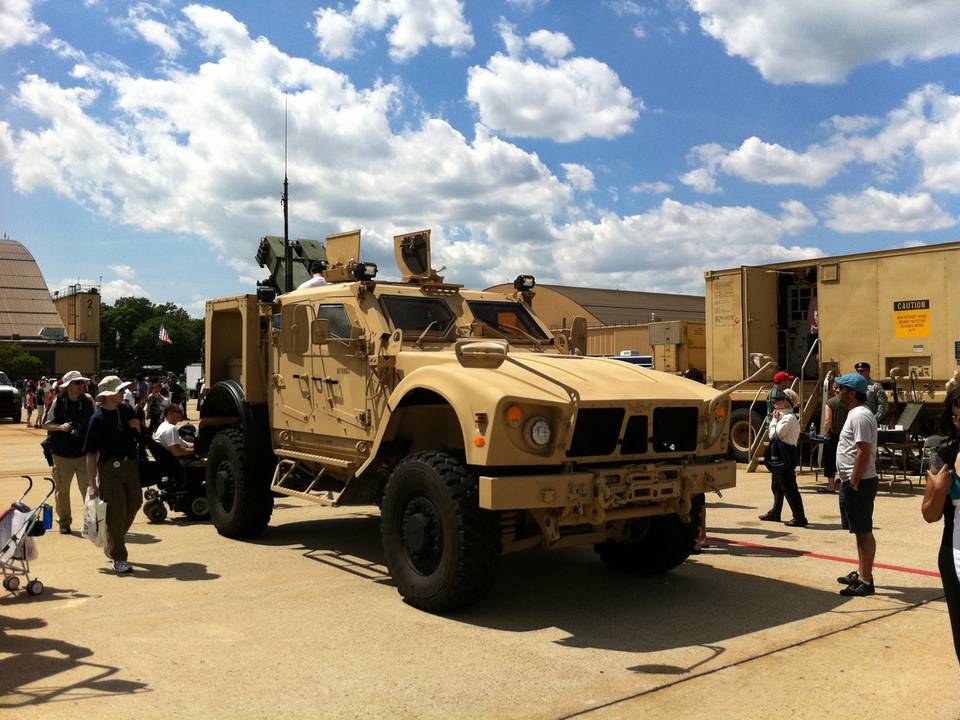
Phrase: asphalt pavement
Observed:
(304, 621)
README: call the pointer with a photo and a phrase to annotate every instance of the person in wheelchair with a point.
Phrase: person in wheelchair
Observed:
(179, 483)
(168, 434)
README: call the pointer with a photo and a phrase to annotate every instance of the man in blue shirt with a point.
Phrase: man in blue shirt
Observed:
(112, 466)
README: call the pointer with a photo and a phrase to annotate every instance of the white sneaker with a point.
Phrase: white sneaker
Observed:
(121, 566)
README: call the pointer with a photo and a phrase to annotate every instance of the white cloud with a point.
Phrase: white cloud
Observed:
(876, 210)
(815, 42)
(702, 180)
(653, 188)
(924, 129)
(576, 98)
(156, 33)
(6, 143)
(579, 177)
(553, 45)
(670, 246)
(414, 24)
(17, 24)
(124, 271)
(146, 152)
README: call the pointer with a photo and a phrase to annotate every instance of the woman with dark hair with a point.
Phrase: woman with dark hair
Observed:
(941, 499)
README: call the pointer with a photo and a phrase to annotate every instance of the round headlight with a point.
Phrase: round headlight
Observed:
(538, 432)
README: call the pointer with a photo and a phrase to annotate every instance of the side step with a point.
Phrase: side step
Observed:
(285, 474)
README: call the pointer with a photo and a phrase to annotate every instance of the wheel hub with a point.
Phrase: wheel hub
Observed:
(422, 534)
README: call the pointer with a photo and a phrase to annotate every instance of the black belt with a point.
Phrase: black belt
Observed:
(111, 458)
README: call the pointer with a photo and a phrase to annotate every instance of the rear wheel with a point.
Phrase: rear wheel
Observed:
(655, 544)
(442, 549)
(11, 583)
(238, 491)
(155, 511)
(197, 507)
(740, 421)
(34, 587)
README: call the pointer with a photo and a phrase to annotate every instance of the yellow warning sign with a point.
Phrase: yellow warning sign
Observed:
(911, 318)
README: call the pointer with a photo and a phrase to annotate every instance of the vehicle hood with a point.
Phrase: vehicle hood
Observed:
(536, 376)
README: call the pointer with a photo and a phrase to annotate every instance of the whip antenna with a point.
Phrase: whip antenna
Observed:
(285, 201)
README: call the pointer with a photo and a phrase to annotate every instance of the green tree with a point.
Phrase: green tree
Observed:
(17, 362)
(138, 321)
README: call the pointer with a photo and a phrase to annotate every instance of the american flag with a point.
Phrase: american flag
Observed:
(163, 336)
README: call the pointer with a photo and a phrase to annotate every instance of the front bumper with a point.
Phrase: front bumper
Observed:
(600, 493)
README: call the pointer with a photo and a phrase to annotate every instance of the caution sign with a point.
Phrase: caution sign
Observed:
(911, 318)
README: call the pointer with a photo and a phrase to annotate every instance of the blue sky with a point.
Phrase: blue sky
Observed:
(612, 143)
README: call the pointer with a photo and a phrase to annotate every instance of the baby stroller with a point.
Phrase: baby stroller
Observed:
(180, 484)
(19, 524)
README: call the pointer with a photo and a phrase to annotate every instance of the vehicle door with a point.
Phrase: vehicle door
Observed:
(760, 313)
(340, 374)
(292, 384)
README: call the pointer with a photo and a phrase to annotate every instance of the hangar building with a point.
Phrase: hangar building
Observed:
(63, 330)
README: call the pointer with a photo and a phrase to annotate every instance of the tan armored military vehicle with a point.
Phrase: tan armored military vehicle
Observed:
(475, 430)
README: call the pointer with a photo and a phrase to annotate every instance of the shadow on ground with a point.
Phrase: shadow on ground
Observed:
(572, 590)
(185, 571)
(37, 670)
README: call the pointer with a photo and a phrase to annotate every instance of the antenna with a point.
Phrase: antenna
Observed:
(285, 201)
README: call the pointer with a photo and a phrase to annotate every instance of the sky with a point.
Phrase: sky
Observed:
(629, 144)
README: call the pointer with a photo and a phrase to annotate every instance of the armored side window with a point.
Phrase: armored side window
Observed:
(295, 328)
(417, 314)
(510, 319)
(340, 325)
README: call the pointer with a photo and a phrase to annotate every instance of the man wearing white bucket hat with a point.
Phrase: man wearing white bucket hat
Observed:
(66, 421)
(111, 450)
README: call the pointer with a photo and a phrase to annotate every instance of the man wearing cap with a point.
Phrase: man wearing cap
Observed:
(876, 395)
(856, 465)
(66, 421)
(781, 380)
(111, 450)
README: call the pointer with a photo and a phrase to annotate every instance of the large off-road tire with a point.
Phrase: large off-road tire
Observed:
(739, 444)
(656, 544)
(442, 549)
(238, 490)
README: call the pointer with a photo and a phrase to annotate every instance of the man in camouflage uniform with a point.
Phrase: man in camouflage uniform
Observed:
(876, 395)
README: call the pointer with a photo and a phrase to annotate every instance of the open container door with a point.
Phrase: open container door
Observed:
(759, 315)
(725, 363)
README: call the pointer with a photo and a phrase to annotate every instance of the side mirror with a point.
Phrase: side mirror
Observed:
(356, 332)
(320, 331)
(488, 354)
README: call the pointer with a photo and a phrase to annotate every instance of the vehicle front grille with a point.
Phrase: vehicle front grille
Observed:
(675, 429)
(635, 436)
(596, 432)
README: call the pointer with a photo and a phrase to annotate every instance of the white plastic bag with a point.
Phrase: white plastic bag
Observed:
(94, 526)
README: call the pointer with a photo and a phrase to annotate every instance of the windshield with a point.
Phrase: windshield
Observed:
(4, 380)
(510, 319)
(417, 314)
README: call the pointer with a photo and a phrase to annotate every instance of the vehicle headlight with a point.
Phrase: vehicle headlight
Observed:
(537, 432)
(716, 418)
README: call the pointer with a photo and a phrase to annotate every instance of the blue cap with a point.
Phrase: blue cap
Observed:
(854, 381)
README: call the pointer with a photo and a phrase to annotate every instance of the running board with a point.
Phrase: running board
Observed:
(284, 472)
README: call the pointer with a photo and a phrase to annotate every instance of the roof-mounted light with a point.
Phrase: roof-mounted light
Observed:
(365, 271)
(524, 283)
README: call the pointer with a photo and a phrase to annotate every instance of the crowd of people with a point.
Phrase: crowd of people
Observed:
(97, 433)
(849, 434)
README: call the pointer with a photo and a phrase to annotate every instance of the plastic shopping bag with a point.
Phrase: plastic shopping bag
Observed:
(95, 521)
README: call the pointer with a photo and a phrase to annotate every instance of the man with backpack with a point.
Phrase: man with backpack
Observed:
(66, 421)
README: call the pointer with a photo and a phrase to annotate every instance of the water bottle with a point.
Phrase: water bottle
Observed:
(812, 431)
(47, 517)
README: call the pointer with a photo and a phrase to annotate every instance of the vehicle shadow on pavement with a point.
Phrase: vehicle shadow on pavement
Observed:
(185, 571)
(693, 605)
(39, 670)
(349, 543)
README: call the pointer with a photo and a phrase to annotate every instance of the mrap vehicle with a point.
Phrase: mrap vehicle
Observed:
(476, 430)
(898, 310)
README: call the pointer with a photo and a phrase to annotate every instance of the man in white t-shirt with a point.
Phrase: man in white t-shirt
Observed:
(857, 467)
(168, 435)
(316, 275)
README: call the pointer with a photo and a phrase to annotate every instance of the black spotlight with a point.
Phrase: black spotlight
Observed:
(524, 283)
(365, 271)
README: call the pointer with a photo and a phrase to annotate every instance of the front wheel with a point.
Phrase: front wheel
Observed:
(196, 506)
(442, 549)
